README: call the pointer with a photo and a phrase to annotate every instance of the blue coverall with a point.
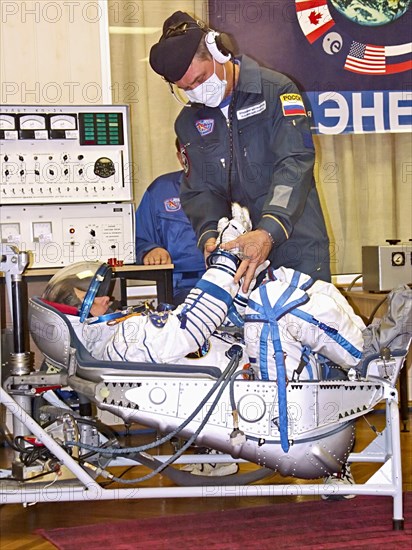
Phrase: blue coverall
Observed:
(271, 161)
(161, 222)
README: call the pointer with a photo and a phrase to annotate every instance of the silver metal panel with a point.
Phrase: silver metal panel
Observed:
(386, 267)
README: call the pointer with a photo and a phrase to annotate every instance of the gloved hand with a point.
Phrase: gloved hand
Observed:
(229, 230)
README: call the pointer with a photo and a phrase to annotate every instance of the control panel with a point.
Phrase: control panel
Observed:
(61, 235)
(59, 154)
(66, 183)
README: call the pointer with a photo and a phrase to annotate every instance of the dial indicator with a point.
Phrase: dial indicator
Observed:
(10, 232)
(63, 122)
(32, 122)
(7, 122)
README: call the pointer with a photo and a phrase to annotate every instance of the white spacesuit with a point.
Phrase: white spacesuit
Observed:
(288, 319)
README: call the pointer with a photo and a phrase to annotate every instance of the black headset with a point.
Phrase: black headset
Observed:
(218, 44)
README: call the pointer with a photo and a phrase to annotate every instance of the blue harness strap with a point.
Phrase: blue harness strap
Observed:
(330, 331)
(269, 315)
(234, 316)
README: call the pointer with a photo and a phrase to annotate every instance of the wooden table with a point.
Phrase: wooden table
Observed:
(161, 274)
(366, 303)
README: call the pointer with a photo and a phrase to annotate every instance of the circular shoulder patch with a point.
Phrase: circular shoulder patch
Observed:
(185, 160)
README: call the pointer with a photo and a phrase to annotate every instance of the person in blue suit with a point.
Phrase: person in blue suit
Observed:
(245, 138)
(164, 234)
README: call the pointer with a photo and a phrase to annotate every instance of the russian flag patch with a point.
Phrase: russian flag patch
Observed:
(292, 105)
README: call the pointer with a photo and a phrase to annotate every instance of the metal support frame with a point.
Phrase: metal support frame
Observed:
(385, 449)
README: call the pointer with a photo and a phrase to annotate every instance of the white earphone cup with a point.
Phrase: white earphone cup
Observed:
(211, 45)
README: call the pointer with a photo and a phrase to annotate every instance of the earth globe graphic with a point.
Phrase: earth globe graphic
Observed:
(372, 13)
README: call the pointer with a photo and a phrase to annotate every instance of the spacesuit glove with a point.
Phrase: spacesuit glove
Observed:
(229, 230)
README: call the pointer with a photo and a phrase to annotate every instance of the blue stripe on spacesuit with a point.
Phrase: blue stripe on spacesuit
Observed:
(198, 343)
(215, 291)
(194, 314)
(240, 300)
(206, 307)
(148, 350)
(199, 328)
(205, 302)
(114, 346)
(330, 331)
(295, 280)
(212, 306)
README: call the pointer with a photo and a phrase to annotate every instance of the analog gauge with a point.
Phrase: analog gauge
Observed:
(63, 122)
(32, 122)
(104, 167)
(398, 258)
(7, 122)
(42, 231)
(10, 232)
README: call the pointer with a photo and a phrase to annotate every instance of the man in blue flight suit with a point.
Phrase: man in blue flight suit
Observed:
(164, 235)
(244, 138)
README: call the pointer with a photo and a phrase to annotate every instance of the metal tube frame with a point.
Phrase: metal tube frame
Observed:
(385, 449)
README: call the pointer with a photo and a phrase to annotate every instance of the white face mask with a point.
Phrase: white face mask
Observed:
(211, 92)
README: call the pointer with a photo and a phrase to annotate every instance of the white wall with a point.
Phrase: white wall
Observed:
(54, 52)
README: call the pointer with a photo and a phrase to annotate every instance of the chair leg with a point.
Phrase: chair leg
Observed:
(393, 424)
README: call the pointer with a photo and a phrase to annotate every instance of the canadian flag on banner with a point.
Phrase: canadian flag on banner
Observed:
(314, 18)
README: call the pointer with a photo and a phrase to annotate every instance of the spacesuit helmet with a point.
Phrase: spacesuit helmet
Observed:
(93, 278)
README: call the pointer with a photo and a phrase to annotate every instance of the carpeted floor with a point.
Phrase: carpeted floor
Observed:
(363, 522)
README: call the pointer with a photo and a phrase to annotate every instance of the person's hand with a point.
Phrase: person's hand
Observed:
(255, 247)
(210, 245)
(157, 256)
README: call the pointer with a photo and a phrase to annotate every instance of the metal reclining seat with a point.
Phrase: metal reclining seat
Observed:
(52, 333)
(55, 337)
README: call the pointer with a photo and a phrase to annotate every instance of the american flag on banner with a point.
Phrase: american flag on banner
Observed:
(369, 59)
(364, 58)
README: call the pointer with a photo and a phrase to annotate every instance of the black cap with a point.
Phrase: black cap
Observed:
(173, 54)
